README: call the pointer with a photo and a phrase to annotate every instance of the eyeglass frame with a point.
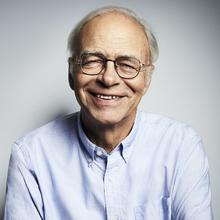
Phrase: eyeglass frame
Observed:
(105, 60)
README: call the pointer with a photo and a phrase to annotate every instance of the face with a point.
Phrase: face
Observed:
(106, 98)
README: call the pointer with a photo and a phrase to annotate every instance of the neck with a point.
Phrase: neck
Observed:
(107, 136)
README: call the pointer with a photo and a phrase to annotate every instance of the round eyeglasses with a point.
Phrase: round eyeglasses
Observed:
(126, 67)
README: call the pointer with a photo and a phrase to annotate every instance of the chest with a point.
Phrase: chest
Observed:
(133, 190)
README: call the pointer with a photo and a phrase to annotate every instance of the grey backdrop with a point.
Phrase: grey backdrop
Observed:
(33, 68)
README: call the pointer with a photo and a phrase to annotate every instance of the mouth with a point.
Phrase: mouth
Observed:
(106, 97)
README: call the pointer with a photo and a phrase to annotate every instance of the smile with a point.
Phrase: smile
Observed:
(107, 97)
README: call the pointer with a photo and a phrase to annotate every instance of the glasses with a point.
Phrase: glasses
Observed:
(94, 63)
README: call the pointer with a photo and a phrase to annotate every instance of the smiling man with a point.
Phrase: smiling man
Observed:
(110, 161)
(110, 79)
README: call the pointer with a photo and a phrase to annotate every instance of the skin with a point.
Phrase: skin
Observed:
(108, 122)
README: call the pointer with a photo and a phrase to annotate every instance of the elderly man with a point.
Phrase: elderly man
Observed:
(109, 161)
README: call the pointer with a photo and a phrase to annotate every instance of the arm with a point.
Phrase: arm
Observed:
(192, 193)
(23, 196)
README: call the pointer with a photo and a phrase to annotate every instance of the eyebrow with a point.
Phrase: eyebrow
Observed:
(98, 53)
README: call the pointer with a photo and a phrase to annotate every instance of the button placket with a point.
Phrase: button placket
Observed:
(90, 161)
(111, 196)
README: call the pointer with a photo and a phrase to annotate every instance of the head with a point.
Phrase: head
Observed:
(74, 37)
(111, 34)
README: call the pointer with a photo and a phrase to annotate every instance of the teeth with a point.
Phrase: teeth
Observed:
(108, 97)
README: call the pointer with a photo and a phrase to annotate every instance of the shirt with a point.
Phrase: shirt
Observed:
(159, 171)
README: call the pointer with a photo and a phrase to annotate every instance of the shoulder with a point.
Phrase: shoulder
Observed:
(47, 137)
(159, 120)
(162, 125)
(168, 135)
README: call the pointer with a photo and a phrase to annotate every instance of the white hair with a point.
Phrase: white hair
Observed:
(74, 37)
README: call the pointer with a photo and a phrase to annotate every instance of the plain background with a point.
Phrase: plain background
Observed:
(33, 68)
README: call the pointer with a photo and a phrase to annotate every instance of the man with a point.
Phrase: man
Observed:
(109, 161)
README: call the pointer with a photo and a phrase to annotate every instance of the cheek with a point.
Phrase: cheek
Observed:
(79, 81)
(78, 85)
(139, 86)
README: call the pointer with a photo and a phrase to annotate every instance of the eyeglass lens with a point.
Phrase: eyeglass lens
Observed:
(126, 67)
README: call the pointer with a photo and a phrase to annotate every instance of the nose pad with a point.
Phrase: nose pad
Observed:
(109, 76)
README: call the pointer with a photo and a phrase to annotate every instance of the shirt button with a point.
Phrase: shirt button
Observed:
(90, 162)
(99, 153)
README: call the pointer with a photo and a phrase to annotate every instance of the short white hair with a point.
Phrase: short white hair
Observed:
(74, 37)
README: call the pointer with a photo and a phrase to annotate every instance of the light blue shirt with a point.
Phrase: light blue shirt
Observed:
(159, 171)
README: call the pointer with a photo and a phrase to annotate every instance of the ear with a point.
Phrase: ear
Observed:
(70, 74)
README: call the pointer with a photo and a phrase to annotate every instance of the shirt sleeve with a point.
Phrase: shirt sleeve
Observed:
(23, 196)
(192, 193)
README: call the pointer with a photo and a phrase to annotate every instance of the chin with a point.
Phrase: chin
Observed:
(111, 118)
(107, 122)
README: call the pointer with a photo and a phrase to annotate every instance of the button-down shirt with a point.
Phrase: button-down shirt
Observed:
(159, 171)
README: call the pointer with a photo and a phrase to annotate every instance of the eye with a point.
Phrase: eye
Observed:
(127, 65)
(91, 61)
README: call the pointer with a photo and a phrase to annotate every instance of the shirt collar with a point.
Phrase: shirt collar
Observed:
(89, 146)
(125, 146)
(128, 143)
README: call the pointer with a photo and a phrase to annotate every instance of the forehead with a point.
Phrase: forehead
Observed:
(114, 34)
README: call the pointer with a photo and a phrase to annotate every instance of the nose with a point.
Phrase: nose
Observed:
(109, 77)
